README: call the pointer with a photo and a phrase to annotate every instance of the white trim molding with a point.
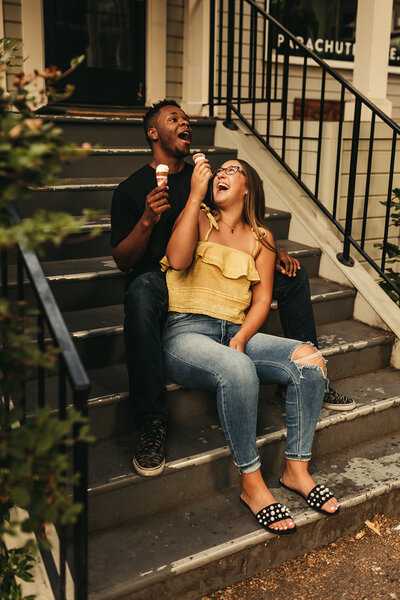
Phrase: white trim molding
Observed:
(156, 50)
(196, 56)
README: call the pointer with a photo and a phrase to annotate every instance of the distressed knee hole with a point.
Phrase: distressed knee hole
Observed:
(308, 355)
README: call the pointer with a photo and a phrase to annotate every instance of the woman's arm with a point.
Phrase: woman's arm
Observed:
(186, 231)
(261, 298)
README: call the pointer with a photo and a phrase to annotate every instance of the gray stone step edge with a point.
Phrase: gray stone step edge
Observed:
(112, 119)
(223, 452)
(143, 150)
(234, 546)
(115, 272)
(118, 329)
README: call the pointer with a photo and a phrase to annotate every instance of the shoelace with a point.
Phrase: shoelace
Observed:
(152, 436)
(335, 396)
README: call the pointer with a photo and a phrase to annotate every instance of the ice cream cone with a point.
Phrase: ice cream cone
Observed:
(162, 174)
(199, 156)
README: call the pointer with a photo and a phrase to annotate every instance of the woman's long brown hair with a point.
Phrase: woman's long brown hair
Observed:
(254, 204)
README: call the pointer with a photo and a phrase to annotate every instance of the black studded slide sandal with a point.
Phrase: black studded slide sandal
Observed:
(316, 498)
(272, 514)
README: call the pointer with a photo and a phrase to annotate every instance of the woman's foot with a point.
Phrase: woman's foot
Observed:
(257, 496)
(298, 479)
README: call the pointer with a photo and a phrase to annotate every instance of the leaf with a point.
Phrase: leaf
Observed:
(373, 527)
(20, 496)
(360, 534)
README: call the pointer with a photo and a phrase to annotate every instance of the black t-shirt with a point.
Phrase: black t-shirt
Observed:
(128, 205)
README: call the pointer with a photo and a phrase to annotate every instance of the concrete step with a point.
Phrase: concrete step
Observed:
(83, 245)
(72, 196)
(350, 347)
(200, 463)
(122, 161)
(98, 332)
(116, 130)
(80, 282)
(210, 542)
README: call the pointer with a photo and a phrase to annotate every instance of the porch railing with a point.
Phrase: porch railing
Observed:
(70, 388)
(267, 78)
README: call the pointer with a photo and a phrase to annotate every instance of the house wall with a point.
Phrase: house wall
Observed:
(175, 27)
(295, 78)
(12, 27)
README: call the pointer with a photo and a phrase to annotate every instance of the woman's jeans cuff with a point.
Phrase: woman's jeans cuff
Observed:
(305, 458)
(250, 468)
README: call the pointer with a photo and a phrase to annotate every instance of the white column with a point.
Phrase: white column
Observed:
(156, 50)
(196, 51)
(371, 60)
(33, 41)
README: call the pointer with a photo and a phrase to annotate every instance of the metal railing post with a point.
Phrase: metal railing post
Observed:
(211, 60)
(229, 81)
(344, 257)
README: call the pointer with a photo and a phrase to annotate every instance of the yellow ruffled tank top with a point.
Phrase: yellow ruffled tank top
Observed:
(217, 283)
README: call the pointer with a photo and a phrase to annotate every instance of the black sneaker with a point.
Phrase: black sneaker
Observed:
(149, 459)
(335, 401)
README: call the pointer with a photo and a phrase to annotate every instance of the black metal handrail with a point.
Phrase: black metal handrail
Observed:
(253, 81)
(50, 323)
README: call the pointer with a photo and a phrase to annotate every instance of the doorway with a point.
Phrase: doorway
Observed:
(111, 35)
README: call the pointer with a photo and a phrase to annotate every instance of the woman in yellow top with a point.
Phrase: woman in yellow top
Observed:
(220, 270)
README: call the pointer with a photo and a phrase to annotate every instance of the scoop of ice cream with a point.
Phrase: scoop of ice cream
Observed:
(198, 157)
(162, 174)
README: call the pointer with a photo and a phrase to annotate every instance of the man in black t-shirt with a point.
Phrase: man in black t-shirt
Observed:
(142, 218)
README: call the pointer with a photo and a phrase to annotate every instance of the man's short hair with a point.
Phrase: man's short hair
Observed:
(152, 112)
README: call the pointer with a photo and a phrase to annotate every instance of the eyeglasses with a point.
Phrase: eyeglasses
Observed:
(228, 170)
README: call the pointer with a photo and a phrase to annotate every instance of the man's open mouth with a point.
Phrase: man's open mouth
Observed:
(185, 135)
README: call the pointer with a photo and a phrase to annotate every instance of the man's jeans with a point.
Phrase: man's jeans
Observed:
(295, 308)
(197, 355)
(146, 306)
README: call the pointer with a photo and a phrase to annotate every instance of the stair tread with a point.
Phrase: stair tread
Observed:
(101, 263)
(144, 149)
(112, 315)
(151, 549)
(115, 118)
(110, 460)
(104, 222)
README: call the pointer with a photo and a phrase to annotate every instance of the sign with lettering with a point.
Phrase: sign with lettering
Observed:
(327, 27)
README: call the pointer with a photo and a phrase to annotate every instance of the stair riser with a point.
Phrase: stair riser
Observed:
(148, 495)
(127, 134)
(221, 572)
(84, 246)
(279, 227)
(95, 350)
(360, 361)
(122, 165)
(116, 418)
(80, 294)
(75, 201)
(71, 201)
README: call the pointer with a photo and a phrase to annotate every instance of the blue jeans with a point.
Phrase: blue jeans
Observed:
(197, 355)
(146, 306)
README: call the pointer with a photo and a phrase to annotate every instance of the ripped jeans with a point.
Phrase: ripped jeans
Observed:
(197, 355)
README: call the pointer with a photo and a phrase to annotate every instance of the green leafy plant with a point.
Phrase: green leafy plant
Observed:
(392, 251)
(34, 464)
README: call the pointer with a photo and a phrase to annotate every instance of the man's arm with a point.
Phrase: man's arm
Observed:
(131, 249)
